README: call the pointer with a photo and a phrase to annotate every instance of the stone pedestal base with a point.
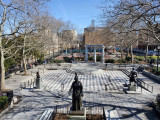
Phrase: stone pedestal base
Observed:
(77, 115)
(132, 87)
(38, 83)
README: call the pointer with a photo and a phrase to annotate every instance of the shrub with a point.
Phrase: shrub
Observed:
(3, 101)
(98, 58)
(158, 73)
(140, 58)
(9, 63)
(109, 61)
(121, 61)
(154, 70)
(40, 61)
(136, 61)
(128, 58)
(67, 59)
(151, 58)
(56, 61)
(90, 58)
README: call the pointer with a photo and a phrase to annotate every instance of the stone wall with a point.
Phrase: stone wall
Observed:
(157, 78)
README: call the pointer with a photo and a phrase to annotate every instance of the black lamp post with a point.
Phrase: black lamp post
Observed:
(158, 48)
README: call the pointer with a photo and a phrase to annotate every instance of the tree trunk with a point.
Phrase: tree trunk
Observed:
(128, 52)
(2, 83)
(146, 53)
(50, 53)
(53, 51)
(131, 54)
(24, 56)
(121, 51)
(147, 49)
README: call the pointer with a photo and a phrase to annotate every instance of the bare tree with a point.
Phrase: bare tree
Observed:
(11, 23)
(141, 13)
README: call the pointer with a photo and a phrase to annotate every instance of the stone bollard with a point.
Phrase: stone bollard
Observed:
(38, 83)
(30, 86)
(31, 81)
(21, 86)
(24, 85)
(62, 87)
(33, 84)
(28, 82)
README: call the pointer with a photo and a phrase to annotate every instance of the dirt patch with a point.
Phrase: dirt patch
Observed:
(3, 107)
(95, 117)
(88, 117)
(61, 117)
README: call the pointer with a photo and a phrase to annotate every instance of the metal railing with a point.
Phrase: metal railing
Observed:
(30, 84)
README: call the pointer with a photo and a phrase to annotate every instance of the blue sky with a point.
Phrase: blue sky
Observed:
(79, 12)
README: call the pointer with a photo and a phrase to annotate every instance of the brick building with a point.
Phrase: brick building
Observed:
(100, 36)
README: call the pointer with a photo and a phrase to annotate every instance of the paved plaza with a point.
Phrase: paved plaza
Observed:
(57, 81)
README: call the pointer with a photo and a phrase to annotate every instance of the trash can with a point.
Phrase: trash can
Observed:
(9, 95)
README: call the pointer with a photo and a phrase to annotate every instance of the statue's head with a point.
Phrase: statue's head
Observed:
(76, 77)
(75, 74)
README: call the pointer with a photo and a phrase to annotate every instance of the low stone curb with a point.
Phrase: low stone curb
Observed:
(151, 75)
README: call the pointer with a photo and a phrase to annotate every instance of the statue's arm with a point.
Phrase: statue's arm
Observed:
(71, 88)
(136, 74)
(81, 89)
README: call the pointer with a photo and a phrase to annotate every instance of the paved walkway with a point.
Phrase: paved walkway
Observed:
(116, 104)
(14, 81)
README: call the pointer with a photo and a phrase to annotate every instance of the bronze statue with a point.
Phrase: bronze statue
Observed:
(77, 94)
(133, 76)
(38, 81)
(37, 75)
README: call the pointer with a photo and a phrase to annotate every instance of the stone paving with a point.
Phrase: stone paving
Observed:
(117, 105)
